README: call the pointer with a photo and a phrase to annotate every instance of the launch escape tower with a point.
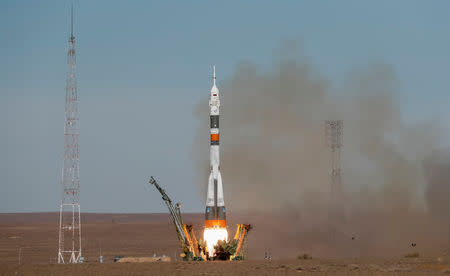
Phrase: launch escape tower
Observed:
(69, 212)
(334, 138)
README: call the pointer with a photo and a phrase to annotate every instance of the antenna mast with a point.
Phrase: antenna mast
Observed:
(71, 23)
(69, 213)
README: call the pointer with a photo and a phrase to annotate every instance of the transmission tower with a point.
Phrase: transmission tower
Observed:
(69, 211)
(334, 137)
(334, 132)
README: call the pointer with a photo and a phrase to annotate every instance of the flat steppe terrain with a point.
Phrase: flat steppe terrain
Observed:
(32, 237)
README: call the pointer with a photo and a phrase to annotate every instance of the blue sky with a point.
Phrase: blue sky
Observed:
(143, 65)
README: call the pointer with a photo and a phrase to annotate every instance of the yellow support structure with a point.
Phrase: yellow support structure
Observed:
(240, 236)
(236, 236)
(192, 240)
(189, 240)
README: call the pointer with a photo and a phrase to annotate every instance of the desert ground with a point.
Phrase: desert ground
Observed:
(31, 239)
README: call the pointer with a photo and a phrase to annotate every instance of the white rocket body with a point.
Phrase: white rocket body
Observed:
(215, 204)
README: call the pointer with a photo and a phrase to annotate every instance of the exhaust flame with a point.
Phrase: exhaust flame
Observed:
(212, 235)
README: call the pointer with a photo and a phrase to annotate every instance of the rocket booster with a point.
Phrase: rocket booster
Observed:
(215, 204)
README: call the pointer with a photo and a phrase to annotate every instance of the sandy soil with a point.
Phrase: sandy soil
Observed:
(34, 236)
(314, 267)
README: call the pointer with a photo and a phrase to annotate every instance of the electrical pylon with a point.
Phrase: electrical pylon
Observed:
(333, 133)
(69, 211)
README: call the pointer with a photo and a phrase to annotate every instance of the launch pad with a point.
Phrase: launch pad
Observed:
(215, 244)
(193, 249)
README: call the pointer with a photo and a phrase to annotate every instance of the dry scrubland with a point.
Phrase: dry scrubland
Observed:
(145, 234)
(314, 267)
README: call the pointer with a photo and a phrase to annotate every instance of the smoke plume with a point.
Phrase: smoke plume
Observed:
(276, 165)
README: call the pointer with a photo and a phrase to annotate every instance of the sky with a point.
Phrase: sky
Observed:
(144, 65)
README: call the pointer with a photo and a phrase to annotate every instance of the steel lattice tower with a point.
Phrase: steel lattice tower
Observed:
(334, 136)
(333, 132)
(69, 212)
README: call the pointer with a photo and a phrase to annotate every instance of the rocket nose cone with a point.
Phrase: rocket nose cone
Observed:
(215, 90)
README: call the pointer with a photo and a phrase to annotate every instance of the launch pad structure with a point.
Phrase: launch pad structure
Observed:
(196, 250)
(215, 244)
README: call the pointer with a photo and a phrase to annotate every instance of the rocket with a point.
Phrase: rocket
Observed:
(215, 204)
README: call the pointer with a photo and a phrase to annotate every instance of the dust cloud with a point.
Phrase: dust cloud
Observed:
(275, 162)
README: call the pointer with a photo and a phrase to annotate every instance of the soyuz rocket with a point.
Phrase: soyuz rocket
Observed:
(215, 204)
